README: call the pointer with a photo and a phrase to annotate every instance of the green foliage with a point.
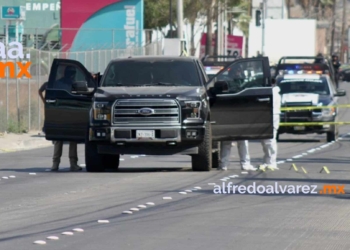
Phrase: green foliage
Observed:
(157, 13)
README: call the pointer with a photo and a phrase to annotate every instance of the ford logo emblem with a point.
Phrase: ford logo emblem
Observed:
(145, 111)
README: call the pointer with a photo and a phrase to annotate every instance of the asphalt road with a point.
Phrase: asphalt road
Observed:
(37, 204)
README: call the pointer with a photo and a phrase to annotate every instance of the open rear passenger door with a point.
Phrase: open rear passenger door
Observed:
(240, 98)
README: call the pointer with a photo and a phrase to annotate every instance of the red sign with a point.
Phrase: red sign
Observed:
(234, 45)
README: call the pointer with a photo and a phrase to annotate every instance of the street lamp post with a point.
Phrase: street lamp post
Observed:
(170, 17)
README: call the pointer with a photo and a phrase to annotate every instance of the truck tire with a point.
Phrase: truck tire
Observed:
(332, 135)
(216, 154)
(203, 160)
(93, 160)
(111, 161)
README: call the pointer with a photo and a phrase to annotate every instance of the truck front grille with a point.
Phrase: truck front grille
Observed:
(164, 112)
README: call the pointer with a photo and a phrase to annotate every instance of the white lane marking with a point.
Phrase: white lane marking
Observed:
(53, 238)
(223, 179)
(40, 242)
(142, 206)
(311, 150)
(244, 172)
(324, 146)
(304, 153)
(211, 184)
(103, 221)
(135, 156)
(121, 159)
(150, 203)
(5, 177)
(134, 209)
(281, 162)
(32, 173)
(188, 191)
(68, 233)
(78, 230)
(12, 176)
(127, 212)
(82, 165)
(168, 198)
(182, 193)
(234, 176)
(297, 156)
(142, 155)
(197, 188)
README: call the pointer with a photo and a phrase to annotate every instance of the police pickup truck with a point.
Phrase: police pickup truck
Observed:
(309, 90)
(157, 106)
(307, 64)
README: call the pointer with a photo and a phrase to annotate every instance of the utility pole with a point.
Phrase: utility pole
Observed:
(171, 18)
(246, 45)
(180, 19)
(333, 26)
(342, 48)
(263, 15)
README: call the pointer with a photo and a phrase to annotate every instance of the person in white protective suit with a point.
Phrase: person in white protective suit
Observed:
(270, 145)
(243, 151)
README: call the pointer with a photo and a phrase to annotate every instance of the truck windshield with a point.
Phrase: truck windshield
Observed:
(315, 86)
(149, 73)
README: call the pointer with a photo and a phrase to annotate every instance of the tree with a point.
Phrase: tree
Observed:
(192, 10)
(157, 15)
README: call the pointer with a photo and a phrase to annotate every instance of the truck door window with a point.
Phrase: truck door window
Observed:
(242, 75)
(66, 75)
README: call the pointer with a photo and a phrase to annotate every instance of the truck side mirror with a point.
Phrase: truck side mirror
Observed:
(340, 92)
(221, 87)
(80, 87)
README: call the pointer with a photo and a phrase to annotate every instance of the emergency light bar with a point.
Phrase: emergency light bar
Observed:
(296, 72)
(212, 70)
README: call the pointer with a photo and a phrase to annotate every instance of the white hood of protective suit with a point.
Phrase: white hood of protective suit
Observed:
(300, 97)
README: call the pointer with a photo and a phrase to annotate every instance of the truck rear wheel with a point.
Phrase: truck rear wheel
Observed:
(203, 160)
(216, 155)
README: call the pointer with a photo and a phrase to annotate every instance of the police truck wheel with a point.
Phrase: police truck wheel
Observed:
(203, 160)
(93, 160)
(331, 136)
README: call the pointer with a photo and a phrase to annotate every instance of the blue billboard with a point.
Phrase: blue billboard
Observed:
(115, 26)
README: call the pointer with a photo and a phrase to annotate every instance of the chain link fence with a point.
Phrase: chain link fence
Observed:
(21, 108)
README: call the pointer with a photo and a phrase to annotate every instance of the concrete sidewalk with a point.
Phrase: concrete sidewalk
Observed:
(17, 142)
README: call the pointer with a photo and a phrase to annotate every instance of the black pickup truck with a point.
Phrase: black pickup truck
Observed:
(157, 106)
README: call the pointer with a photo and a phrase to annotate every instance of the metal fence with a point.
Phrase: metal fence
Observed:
(21, 108)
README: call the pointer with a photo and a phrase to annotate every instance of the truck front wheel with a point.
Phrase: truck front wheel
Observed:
(111, 161)
(203, 160)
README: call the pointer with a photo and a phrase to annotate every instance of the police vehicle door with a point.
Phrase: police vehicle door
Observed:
(241, 101)
(67, 112)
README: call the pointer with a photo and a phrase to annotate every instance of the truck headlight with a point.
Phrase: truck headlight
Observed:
(328, 112)
(195, 107)
(102, 111)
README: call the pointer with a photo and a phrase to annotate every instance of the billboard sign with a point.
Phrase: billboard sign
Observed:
(13, 12)
(103, 24)
(234, 45)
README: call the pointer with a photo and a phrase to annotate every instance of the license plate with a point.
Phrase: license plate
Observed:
(299, 128)
(141, 134)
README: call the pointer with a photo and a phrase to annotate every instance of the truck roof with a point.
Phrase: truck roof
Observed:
(156, 58)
